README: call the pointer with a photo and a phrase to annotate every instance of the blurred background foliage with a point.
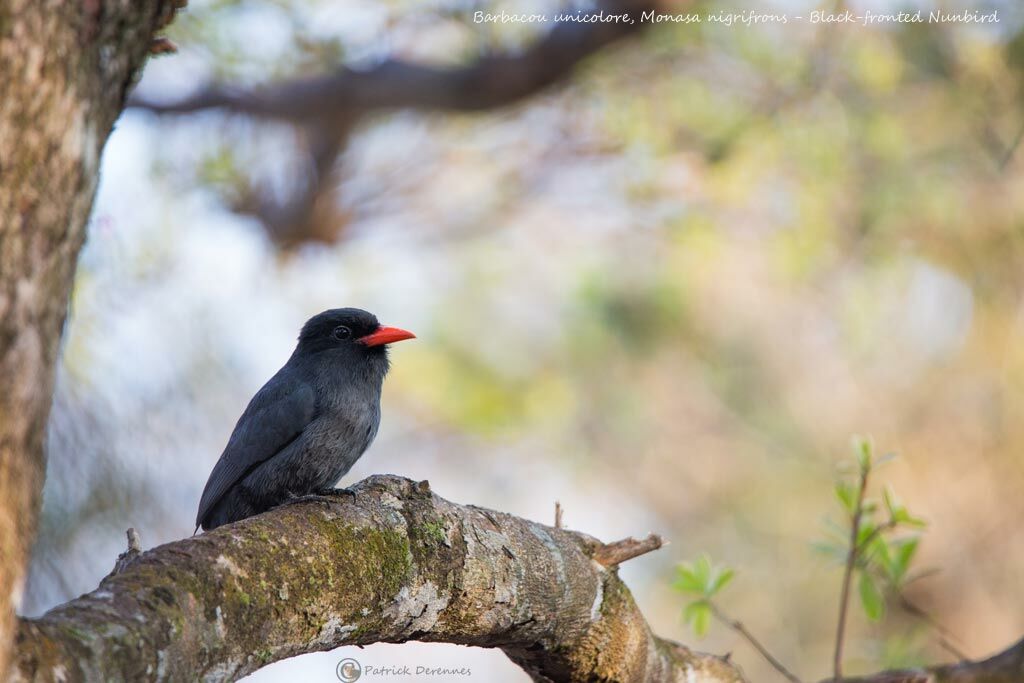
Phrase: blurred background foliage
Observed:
(665, 293)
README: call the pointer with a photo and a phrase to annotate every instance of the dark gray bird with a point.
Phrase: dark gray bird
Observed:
(309, 424)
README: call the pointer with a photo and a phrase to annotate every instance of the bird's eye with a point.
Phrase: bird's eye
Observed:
(342, 333)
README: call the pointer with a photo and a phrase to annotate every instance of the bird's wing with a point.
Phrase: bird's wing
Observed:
(275, 416)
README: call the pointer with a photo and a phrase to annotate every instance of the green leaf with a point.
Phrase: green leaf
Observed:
(686, 580)
(867, 528)
(870, 597)
(903, 555)
(890, 502)
(836, 551)
(702, 571)
(847, 496)
(904, 517)
(877, 552)
(834, 542)
(702, 622)
(698, 615)
(863, 449)
(702, 577)
(721, 580)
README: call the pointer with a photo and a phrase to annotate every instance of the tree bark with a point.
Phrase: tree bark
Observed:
(65, 68)
(391, 563)
(1004, 667)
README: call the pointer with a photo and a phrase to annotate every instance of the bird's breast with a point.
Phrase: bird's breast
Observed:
(346, 429)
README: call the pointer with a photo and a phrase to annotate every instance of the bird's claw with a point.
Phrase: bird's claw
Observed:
(308, 498)
(336, 492)
(325, 496)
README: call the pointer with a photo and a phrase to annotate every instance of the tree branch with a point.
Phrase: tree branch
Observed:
(745, 633)
(392, 563)
(328, 106)
(614, 554)
(1005, 667)
(492, 81)
(851, 562)
(310, 213)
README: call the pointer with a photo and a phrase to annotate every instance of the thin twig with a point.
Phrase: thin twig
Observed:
(614, 554)
(162, 45)
(558, 515)
(888, 526)
(912, 609)
(1011, 149)
(851, 561)
(125, 559)
(749, 637)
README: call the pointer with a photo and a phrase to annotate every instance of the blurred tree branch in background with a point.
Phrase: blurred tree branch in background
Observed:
(325, 108)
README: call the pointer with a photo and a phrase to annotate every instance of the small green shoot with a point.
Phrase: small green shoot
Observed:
(881, 539)
(703, 580)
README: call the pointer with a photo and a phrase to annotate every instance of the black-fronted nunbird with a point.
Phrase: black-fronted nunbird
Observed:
(309, 424)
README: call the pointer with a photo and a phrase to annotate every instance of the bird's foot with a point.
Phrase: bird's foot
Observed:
(329, 493)
(308, 498)
(325, 496)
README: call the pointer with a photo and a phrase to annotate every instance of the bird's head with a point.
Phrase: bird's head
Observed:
(349, 330)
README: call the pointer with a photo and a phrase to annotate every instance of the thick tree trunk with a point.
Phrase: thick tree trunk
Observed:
(65, 68)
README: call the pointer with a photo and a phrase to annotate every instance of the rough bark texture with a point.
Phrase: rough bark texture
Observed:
(390, 564)
(65, 68)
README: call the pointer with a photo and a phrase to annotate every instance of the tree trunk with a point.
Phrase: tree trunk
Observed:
(65, 68)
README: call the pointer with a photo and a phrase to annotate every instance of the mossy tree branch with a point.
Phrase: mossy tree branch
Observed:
(392, 563)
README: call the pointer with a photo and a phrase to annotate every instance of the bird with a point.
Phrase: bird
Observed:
(309, 423)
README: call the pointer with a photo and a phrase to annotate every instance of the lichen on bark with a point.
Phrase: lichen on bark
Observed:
(393, 562)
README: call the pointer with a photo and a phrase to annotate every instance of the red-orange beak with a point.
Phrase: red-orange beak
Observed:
(386, 335)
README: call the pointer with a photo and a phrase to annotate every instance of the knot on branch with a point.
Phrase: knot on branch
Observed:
(128, 557)
(162, 45)
(399, 487)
